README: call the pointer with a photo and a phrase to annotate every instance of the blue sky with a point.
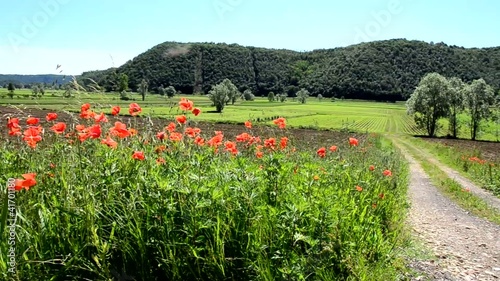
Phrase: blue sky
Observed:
(36, 35)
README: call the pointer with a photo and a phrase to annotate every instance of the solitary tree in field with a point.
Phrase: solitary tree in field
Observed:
(219, 95)
(248, 95)
(271, 96)
(170, 91)
(320, 97)
(11, 89)
(480, 97)
(429, 103)
(302, 95)
(35, 90)
(282, 97)
(456, 102)
(143, 89)
(161, 90)
(42, 89)
(231, 91)
(123, 83)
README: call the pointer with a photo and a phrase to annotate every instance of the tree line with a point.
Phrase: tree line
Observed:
(384, 70)
(437, 97)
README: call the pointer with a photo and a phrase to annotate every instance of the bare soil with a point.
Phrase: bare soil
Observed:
(307, 138)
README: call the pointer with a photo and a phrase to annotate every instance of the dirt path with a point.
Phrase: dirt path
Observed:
(487, 196)
(466, 247)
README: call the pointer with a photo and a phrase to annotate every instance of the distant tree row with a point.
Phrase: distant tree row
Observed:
(384, 70)
(437, 97)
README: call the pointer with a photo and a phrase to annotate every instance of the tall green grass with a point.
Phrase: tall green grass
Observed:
(98, 214)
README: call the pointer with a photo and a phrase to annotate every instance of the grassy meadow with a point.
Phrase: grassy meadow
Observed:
(358, 116)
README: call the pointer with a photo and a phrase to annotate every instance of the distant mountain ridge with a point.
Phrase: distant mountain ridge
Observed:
(48, 79)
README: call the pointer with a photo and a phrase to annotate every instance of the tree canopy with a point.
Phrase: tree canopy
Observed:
(383, 70)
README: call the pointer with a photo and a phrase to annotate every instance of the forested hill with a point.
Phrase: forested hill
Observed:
(382, 70)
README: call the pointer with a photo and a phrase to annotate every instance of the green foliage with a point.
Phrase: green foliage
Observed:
(456, 102)
(271, 97)
(170, 91)
(384, 70)
(429, 102)
(124, 96)
(204, 215)
(35, 91)
(302, 96)
(480, 97)
(161, 90)
(11, 87)
(222, 93)
(143, 88)
(248, 95)
(282, 97)
(123, 85)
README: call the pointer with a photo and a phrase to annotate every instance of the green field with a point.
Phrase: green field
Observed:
(358, 116)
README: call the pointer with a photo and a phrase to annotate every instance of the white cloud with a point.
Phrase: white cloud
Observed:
(30, 60)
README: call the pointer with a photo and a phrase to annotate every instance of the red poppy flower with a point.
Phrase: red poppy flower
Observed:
(359, 188)
(32, 121)
(26, 183)
(115, 110)
(181, 119)
(119, 130)
(321, 152)
(243, 137)
(387, 173)
(95, 131)
(248, 124)
(133, 132)
(353, 142)
(13, 123)
(161, 135)
(171, 127)
(87, 114)
(85, 107)
(109, 142)
(100, 118)
(372, 168)
(32, 136)
(138, 155)
(80, 127)
(175, 136)
(281, 122)
(199, 141)
(185, 104)
(196, 111)
(134, 109)
(59, 128)
(51, 116)
(283, 142)
(333, 148)
(160, 149)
